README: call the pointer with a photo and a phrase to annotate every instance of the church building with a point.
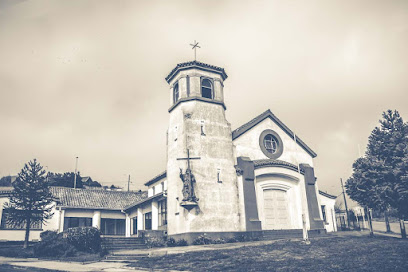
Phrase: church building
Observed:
(220, 182)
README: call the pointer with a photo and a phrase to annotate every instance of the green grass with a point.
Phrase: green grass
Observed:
(323, 254)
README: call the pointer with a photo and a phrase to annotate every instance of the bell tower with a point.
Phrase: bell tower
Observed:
(200, 154)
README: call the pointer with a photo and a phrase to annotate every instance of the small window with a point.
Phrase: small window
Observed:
(163, 212)
(202, 128)
(324, 213)
(219, 175)
(206, 88)
(148, 221)
(188, 85)
(271, 143)
(176, 94)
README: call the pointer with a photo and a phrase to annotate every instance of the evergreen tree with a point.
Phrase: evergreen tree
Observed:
(31, 201)
(65, 180)
(380, 179)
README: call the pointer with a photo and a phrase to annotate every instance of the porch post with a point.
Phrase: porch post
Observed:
(139, 220)
(61, 220)
(96, 220)
(155, 215)
(128, 229)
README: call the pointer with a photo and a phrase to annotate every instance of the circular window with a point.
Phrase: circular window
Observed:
(271, 144)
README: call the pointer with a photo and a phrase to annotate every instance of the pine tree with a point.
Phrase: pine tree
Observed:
(31, 201)
(380, 179)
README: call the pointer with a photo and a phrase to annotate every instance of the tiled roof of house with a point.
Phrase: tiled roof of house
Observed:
(5, 191)
(156, 178)
(268, 114)
(278, 163)
(95, 199)
(85, 179)
(198, 65)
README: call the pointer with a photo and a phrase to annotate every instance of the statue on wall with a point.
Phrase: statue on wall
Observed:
(188, 186)
(189, 199)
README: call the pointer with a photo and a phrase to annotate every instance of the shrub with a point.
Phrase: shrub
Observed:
(202, 240)
(171, 242)
(53, 244)
(241, 238)
(219, 241)
(181, 242)
(155, 242)
(232, 240)
(86, 239)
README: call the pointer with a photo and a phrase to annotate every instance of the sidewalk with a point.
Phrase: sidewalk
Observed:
(68, 266)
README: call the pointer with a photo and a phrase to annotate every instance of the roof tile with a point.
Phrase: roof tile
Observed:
(96, 199)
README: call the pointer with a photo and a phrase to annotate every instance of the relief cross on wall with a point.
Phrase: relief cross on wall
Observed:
(189, 198)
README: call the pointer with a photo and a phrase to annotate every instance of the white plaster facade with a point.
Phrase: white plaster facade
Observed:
(327, 203)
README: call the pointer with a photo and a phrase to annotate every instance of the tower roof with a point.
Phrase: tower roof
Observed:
(197, 65)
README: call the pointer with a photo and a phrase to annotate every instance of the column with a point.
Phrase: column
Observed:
(62, 217)
(246, 169)
(139, 220)
(96, 220)
(155, 215)
(312, 201)
(127, 225)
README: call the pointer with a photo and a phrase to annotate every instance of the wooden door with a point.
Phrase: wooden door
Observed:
(276, 211)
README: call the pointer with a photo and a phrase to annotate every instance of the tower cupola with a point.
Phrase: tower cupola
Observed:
(195, 80)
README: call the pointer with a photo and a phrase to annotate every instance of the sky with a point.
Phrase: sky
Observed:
(86, 78)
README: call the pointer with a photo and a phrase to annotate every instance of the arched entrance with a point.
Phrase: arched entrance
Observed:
(279, 201)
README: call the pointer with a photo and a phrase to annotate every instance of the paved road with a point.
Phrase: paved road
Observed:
(395, 227)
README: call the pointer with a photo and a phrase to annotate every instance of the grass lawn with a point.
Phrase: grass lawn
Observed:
(323, 254)
(16, 250)
(13, 268)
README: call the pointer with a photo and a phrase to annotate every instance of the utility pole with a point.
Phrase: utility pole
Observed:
(345, 203)
(75, 174)
(128, 183)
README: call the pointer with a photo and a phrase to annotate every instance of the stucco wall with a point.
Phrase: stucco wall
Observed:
(218, 205)
(330, 224)
(157, 187)
(247, 145)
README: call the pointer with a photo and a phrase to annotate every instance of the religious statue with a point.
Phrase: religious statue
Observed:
(188, 185)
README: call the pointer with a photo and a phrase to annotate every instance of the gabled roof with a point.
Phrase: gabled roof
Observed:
(160, 176)
(86, 179)
(95, 199)
(327, 195)
(159, 195)
(268, 114)
(197, 65)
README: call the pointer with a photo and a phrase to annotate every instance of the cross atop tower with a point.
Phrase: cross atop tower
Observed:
(195, 46)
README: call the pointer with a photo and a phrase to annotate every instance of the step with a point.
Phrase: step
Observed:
(125, 258)
(124, 243)
(124, 248)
